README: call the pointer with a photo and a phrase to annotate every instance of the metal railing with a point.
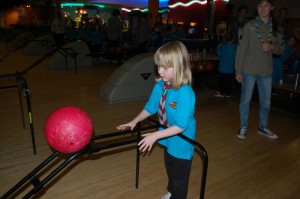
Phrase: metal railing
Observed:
(22, 85)
(23, 90)
(94, 147)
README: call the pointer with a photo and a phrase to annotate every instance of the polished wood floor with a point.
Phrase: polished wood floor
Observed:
(256, 168)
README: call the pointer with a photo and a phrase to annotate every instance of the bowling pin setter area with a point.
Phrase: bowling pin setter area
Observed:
(69, 130)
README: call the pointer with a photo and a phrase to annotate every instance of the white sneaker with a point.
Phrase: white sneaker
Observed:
(267, 132)
(242, 133)
(218, 94)
(167, 196)
(280, 82)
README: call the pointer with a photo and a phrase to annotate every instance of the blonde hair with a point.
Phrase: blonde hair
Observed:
(174, 54)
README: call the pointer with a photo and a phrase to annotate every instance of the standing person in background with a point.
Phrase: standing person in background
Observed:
(280, 28)
(254, 65)
(174, 100)
(114, 34)
(71, 33)
(282, 21)
(236, 27)
(143, 33)
(277, 76)
(289, 49)
(226, 52)
(58, 28)
(155, 40)
(159, 23)
(176, 33)
(238, 23)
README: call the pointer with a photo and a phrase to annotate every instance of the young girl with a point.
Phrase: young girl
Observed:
(289, 49)
(226, 52)
(253, 65)
(172, 92)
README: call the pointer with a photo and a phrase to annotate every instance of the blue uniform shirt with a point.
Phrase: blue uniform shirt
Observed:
(180, 109)
(226, 53)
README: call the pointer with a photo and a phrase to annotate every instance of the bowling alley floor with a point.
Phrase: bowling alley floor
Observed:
(255, 168)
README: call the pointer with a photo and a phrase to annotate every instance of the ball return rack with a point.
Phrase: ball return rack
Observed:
(95, 147)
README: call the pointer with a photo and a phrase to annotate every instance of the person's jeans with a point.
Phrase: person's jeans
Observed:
(277, 70)
(264, 85)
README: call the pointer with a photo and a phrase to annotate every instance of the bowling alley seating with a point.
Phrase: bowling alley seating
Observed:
(293, 71)
(291, 79)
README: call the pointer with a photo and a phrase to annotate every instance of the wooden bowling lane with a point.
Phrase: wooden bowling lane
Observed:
(254, 168)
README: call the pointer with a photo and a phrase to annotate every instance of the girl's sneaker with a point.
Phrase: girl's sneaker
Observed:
(218, 94)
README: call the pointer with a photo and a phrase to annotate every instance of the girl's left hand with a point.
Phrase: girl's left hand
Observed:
(147, 142)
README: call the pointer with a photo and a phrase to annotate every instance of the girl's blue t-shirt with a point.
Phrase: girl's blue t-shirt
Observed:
(180, 109)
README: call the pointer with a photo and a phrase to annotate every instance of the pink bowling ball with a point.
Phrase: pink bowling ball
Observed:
(68, 129)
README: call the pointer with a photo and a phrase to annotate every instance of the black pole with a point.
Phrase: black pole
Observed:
(204, 158)
(30, 122)
(23, 88)
(208, 18)
(75, 59)
(66, 51)
(205, 163)
(137, 174)
(21, 107)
